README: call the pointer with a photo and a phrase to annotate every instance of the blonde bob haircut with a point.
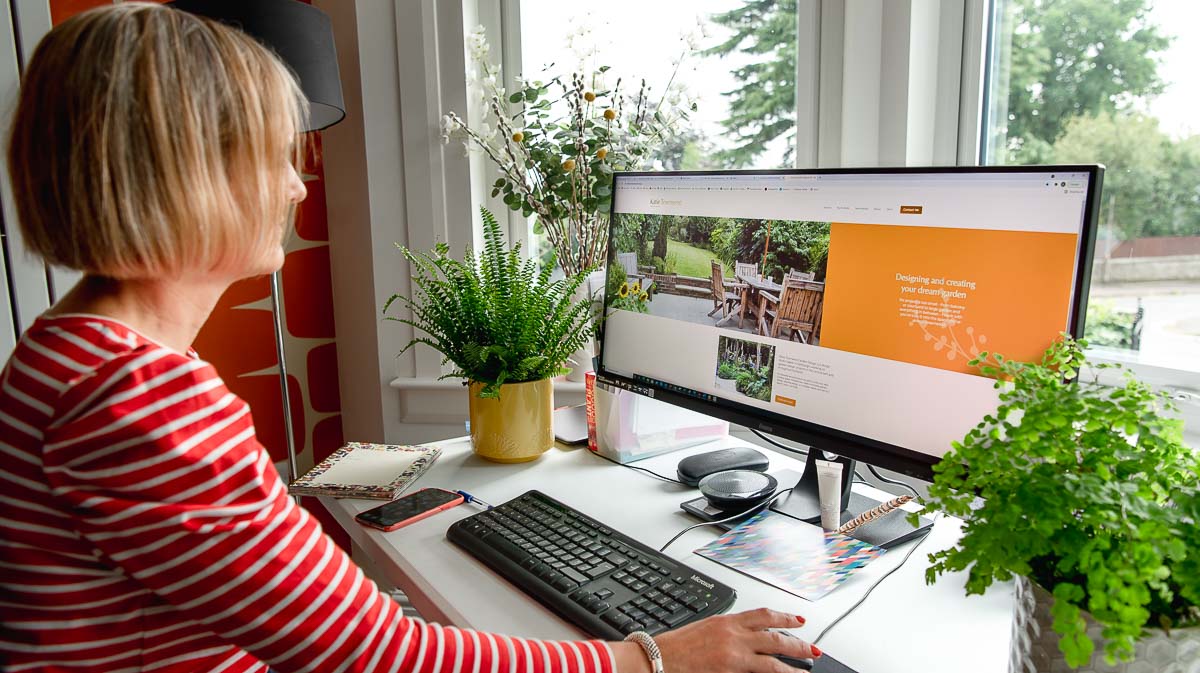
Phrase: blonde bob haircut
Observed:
(149, 143)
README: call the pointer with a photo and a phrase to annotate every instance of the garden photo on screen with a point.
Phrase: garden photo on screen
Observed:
(757, 276)
(745, 367)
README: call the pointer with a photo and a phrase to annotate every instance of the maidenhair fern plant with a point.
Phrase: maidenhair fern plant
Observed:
(1086, 489)
(496, 317)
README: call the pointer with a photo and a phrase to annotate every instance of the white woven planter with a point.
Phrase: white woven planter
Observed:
(1035, 644)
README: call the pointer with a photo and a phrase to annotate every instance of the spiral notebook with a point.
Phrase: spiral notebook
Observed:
(362, 470)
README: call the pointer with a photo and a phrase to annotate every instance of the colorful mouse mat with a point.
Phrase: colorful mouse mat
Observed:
(797, 557)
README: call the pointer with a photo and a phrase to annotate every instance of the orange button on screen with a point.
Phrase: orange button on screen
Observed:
(910, 210)
(785, 400)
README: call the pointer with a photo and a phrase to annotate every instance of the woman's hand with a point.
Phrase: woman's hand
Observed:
(738, 643)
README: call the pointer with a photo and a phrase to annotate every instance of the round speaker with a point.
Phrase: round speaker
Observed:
(737, 490)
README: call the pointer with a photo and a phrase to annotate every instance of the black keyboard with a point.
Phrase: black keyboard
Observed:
(606, 583)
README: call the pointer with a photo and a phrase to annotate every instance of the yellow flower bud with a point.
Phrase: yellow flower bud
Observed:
(568, 165)
(610, 114)
(518, 137)
(601, 153)
(589, 96)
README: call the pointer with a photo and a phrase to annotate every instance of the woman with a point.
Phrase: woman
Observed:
(144, 527)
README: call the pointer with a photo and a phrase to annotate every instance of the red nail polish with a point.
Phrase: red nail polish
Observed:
(816, 651)
(799, 619)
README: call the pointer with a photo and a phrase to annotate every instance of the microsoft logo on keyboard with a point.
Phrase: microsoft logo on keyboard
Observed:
(706, 585)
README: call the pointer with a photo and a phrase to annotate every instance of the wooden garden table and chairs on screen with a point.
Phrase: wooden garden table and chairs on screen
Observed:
(727, 296)
(798, 307)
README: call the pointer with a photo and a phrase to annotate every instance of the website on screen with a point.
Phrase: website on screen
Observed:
(851, 301)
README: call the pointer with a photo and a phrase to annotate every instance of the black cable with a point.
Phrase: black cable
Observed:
(861, 600)
(639, 469)
(858, 477)
(886, 480)
(785, 447)
(753, 509)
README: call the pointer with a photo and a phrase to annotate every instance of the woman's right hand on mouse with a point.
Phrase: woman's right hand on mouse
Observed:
(737, 643)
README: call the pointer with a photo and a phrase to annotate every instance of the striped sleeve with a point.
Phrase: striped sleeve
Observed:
(159, 463)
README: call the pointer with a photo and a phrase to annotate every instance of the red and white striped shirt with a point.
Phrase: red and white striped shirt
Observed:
(144, 528)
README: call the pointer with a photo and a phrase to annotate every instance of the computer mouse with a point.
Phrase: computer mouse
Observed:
(801, 664)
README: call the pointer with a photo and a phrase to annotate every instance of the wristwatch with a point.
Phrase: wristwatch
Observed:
(650, 648)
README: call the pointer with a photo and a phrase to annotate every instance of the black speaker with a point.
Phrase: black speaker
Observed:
(737, 490)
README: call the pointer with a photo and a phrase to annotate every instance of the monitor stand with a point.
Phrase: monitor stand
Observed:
(804, 503)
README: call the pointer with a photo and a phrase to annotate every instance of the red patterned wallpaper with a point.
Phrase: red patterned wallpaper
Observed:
(239, 338)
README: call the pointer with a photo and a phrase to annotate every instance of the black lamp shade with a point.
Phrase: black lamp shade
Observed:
(300, 34)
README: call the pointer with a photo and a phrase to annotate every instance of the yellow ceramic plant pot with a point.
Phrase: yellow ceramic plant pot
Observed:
(516, 427)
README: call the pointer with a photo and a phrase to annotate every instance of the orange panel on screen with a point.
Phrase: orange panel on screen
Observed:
(939, 296)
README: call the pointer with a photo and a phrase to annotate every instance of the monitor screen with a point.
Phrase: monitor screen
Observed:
(841, 307)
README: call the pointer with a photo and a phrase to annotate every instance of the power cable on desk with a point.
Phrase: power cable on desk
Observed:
(639, 469)
(760, 506)
(863, 599)
(888, 480)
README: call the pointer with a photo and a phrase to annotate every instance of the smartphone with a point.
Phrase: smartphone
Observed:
(409, 509)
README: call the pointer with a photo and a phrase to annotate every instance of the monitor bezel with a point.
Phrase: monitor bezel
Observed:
(882, 454)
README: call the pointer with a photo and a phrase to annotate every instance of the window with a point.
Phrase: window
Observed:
(735, 60)
(1077, 81)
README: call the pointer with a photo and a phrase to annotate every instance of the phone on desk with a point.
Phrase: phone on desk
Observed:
(409, 509)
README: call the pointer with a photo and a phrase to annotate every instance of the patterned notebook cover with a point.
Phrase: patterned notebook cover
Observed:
(797, 557)
(362, 470)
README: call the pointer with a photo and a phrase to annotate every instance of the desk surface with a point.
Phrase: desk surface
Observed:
(905, 626)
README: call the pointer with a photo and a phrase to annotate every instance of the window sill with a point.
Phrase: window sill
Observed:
(430, 402)
(561, 385)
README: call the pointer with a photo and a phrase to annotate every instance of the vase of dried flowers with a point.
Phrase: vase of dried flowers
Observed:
(556, 145)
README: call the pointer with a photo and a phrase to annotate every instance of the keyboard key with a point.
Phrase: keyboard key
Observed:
(598, 607)
(604, 593)
(639, 586)
(599, 570)
(615, 559)
(654, 627)
(660, 614)
(652, 579)
(631, 627)
(510, 550)
(563, 584)
(678, 617)
(617, 620)
(575, 576)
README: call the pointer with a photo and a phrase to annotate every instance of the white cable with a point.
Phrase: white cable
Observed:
(762, 505)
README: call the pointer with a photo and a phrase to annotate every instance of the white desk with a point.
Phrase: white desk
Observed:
(905, 626)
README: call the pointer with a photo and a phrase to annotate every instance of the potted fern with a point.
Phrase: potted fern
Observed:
(1085, 493)
(506, 327)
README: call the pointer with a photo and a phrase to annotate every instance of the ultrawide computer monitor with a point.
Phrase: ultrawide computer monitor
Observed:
(840, 308)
